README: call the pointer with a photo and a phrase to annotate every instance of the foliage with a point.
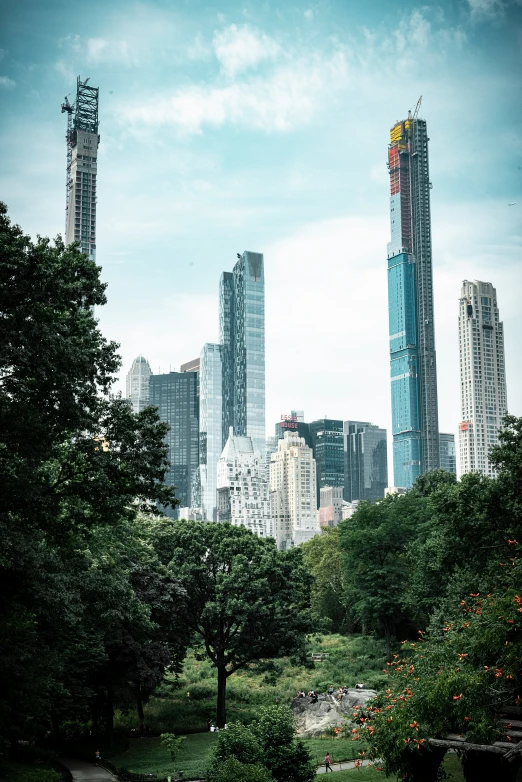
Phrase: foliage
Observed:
(324, 559)
(239, 772)
(268, 741)
(457, 678)
(173, 744)
(77, 465)
(245, 600)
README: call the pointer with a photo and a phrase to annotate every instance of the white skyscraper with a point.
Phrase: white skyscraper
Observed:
(210, 427)
(242, 488)
(483, 398)
(293, 493)
(138, 379)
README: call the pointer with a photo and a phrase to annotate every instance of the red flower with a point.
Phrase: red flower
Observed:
(457, 697)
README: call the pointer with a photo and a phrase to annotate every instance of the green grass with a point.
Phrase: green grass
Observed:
(14, 771)
(451, 766)
(148, 756)
(183, 705)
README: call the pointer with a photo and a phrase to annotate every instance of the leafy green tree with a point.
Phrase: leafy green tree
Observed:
(324, 559)
(268, 742)
(245, 600)
(73, 460)
(173, 744)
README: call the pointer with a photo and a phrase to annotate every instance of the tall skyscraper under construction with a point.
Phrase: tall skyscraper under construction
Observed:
(415, 423)
(82, 157)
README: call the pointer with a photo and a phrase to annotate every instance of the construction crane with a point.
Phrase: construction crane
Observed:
(417, 107)
(69, 109)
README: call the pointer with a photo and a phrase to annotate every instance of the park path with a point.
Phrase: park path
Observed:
(87, 772)
(346, 766)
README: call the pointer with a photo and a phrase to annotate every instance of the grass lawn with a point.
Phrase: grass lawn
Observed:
(148, 756)
(339, 749)
(451, 766)
(13, 771)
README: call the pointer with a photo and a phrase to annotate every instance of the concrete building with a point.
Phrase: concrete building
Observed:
(365, 461)
(293, 501)
(138, 384)
(82, 167)
(330, 506)
(242, 336)
(483, 395)
(448, 455)
(410, 305)
(242, 489)
(328, 451)
(210, 427)
(175, 396)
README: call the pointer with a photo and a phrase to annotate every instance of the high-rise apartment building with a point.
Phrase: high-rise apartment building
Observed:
(210, 427)
(448, 456)
(242, 335)
(365, 461)
(294, 422)
(483, 395)
(82, 160)
(328, 450)
(242, 489)
(293, 498)
(410, 301)
(175, 395)
(138, 384)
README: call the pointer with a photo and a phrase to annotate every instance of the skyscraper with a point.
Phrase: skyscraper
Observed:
(138, 383)
(483, 396)
(82, 158)
(365, 461)
(175, 396)
(242, 488)
(210, 427)
(410, 298)
(328, 450)
(293, 499)
(242, 335)
(448, 457)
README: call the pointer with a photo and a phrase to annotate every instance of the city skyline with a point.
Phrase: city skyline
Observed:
(321, 234)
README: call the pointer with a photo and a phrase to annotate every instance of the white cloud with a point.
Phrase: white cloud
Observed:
(487, 9)
(101, 50)
(241, 47)
(308, 14)
(6, 83)
(289, 97)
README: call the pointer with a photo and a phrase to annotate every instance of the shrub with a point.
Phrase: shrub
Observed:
(232, 769)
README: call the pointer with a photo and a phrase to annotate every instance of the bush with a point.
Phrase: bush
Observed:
(232, 769)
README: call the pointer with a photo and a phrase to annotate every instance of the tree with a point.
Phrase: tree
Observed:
(74, 460)
(324, 559)
(246, 601)
(270, 742)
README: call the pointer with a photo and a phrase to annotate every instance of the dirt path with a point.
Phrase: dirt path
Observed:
(346, 766)
(87, 772)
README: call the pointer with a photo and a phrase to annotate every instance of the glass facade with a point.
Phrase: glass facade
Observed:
(210, 426)
(411, 313)
(328, 451)
(176, 396)
(138, 381)
(365, 461)
(242, 333)
(448, 455)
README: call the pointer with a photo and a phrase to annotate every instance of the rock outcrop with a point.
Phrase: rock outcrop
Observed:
(313, 719)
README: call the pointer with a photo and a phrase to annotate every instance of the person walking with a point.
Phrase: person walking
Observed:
(328, 763)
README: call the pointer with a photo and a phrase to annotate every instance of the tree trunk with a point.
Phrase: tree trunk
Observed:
(221, 717)
(485, 767)
(139, 709)
(109, 721)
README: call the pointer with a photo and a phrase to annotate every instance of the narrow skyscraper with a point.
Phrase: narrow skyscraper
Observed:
(328, 450)
(82, 159)
(293, 499)
(365, 461)
(410, 298)
(483, 396)
(448, 457)
(242, 334)
(210, 427)
(138, 383)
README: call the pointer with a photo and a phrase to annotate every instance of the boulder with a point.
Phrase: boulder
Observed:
(313, 719)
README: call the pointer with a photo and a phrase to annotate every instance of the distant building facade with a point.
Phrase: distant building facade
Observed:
(483, 394)
(242, 336)
(293, 501)
(210, 427)
(331, 506)
(448, 454)
(175, 395)
(365, 461)
(138, 382)
(328, 450)
(242, 489)
(294, 422)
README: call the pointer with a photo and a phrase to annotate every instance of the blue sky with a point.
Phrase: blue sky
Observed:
(264, 126)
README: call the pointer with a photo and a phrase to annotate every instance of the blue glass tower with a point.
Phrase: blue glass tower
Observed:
(415, 425)
(242, 334)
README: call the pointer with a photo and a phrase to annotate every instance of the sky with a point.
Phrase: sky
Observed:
(264, 126)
